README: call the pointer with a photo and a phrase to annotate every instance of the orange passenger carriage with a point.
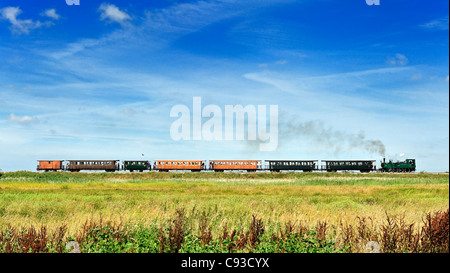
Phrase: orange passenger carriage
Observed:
(167, 165)
(50, 165)
(233, 165)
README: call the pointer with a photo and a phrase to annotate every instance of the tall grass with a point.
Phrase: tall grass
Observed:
(215, 203)
(178, 236)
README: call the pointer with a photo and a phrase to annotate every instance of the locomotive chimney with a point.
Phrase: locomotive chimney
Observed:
(384, 160)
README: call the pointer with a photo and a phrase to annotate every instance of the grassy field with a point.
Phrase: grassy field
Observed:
(227, 200)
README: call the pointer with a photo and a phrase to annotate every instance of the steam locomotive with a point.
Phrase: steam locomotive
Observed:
(409, 165)
(364, 166)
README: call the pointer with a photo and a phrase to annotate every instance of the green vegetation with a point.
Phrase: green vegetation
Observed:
(146, 204)
(177, 236)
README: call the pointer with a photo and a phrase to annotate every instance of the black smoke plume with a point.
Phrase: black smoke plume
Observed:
(315, 131)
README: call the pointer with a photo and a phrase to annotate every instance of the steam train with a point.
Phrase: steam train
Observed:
(409, 165)
(364, 166)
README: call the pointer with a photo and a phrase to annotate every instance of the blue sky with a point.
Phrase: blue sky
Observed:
(98, 80)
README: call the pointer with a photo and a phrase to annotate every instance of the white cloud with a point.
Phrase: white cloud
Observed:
(399, 59)
(161, 25)
(112, 13)
(437, 24)
(25, 26)
(18, 26)
(51, 13)
(23, 120)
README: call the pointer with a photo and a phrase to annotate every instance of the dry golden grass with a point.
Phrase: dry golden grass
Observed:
(228, 200)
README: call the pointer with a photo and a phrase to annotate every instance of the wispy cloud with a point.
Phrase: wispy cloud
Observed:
(437, 24)
(111, 13)
(161, 26)
(17, 25)
(399, 59)
(51, 13)
(20, 26)
(23, 120)
(115, 86)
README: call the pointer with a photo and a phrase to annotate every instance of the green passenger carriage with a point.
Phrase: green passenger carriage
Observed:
(292, 165)
(136, 165)
(363, 166)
